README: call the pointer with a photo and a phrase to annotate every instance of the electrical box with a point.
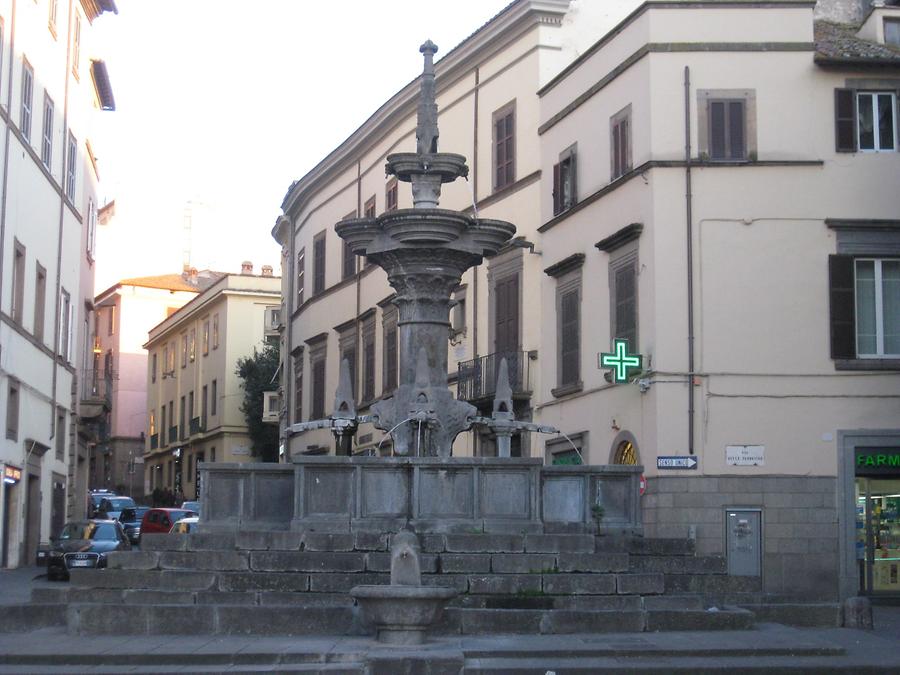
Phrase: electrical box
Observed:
(743, 539)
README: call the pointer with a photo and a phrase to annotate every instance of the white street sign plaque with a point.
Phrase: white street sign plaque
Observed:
(745, 455)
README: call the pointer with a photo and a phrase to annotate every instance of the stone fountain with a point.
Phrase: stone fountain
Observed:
(404, 610)
(425, 250)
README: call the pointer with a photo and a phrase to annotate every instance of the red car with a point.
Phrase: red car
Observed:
(161, 520)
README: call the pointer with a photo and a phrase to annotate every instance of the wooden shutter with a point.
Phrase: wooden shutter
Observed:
(717, 130)
(617, 150)
(369, 374)
(318, 392)
(349, 262)
(737, 147)
(570, 338)
(573, 181)
(624, 147)
(844, 120)
(626, 306)
(557, 189)
(507, 315)
(842, 297)
(319, 265)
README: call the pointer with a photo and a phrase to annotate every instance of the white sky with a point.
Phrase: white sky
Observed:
(225, 102)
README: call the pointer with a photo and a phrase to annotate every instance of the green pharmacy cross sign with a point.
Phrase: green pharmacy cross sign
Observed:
(620, 361)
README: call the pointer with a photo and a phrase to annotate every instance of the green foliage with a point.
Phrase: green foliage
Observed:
(258, 375)
(598, 512)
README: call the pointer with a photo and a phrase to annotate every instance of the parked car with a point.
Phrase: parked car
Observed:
(84, 544)
(185, 525)
(157, 521)
(130, 518)
(191, 506)
(111, 507)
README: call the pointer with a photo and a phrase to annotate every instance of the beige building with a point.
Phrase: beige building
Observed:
(713, 183)
(123, 315)
(53, 86)
(194, 395)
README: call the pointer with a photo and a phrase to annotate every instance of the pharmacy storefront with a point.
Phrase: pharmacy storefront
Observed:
(877, 494)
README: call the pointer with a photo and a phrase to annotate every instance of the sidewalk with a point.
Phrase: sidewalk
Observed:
(767, 647)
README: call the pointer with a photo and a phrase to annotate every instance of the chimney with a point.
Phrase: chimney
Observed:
(194, 274)
(267, 270)
(246, 267)
(842, 11)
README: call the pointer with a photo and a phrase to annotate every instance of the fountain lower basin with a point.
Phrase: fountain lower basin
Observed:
(402, 614)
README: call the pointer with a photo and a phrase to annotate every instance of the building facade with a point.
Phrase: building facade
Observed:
(710, 183)
(194, 394)
(53, 85)
(124, 313)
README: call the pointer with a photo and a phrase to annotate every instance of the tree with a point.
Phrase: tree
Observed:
(258, 375)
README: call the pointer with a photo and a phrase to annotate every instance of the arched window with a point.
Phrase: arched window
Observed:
(625, 450)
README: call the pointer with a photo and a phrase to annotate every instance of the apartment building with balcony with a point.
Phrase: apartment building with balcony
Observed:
(53, 85)
(193, 407)
(124, 313)
(339, 308)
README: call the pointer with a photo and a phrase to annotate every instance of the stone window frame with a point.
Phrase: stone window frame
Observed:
(554, 447)
(501, 267)
(621, 258)
(507, 144)
(348, 344)
(318, 356)
(620, 128)
(569, 279)
(391, 196)
(707, 96)
(17, 312)
(320, 263)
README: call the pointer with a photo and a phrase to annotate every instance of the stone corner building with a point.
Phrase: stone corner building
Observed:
(714, 182)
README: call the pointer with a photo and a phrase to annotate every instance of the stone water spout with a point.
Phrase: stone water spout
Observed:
(403, 611)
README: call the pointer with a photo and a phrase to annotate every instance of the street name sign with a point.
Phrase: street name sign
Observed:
(676, 462)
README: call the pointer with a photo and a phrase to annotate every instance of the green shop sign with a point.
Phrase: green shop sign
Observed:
(877, 461)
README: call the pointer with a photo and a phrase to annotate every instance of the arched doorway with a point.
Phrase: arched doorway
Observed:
(625, 450)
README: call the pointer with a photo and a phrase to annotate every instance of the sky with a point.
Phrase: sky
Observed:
(221, 104)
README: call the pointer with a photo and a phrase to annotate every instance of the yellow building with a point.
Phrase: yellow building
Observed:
(193, 393)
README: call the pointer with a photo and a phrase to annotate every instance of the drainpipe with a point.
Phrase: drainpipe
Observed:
(690, 254)
(9, 79)
(475, 201)
(287, 226)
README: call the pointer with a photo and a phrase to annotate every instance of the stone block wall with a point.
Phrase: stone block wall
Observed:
(800, 543)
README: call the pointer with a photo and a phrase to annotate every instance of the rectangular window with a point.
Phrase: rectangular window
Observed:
(390, 195)
(51, 19)
(153, 367)
(564, 182)
(319, 263)
(213, 398)
(368, 355)
(620, 143)
(298, 386)
(27, 99)
(76, 45)
(111, 329)
(91, 229)
(569, 336)
(70, 166)
(162, 426)
(18, 282)
(65, 329)
(181, 419)
(190, 405)
(876, 124)
(301, 272)
(40, 302)
(47, 138)
(349, 259)
(60, 433)
(458, 313)
(317, 360)
(205, 337)
(624, 301)
(184, 350)
(192, 344)
(877, 296)
(892, 31)
(215, 331)
(204, 406)
(389, 327)
(727, 129)
(504, 138)
(12, 410)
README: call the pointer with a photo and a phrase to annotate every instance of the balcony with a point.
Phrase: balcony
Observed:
(96, 392)
(197, 426)
(154, 441)
(478, 378)
(173, 434)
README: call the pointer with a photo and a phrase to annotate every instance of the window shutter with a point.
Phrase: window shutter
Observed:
(369, 386)
(617, 150)
(626, 314)
(569, 336)
(717, 130)
(736, 129)
(557, 188)
(573, 180)
(842, 305)
(625, 145)
(319, 265)
(845, 120)
(318, 406)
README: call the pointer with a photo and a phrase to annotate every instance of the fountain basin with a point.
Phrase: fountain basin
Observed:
(449, 166)
(401, 614)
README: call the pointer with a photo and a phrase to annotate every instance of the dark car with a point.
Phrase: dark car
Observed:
(130, 518)
(96, 497)
(84, 544)
(111, 507)
(161, 520)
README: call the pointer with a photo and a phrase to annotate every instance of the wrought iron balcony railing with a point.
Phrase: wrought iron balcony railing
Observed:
(173, 434)
(154, 441)
(197, 426)
(478, 377)
(97, 386)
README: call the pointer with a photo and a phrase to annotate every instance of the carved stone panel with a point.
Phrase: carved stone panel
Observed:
(505, 494)
(445, 493)
(384, 492)
(273, 495)
(563, 499)
(327, 492)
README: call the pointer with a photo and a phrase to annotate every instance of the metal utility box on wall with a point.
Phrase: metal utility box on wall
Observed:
(743, 540)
